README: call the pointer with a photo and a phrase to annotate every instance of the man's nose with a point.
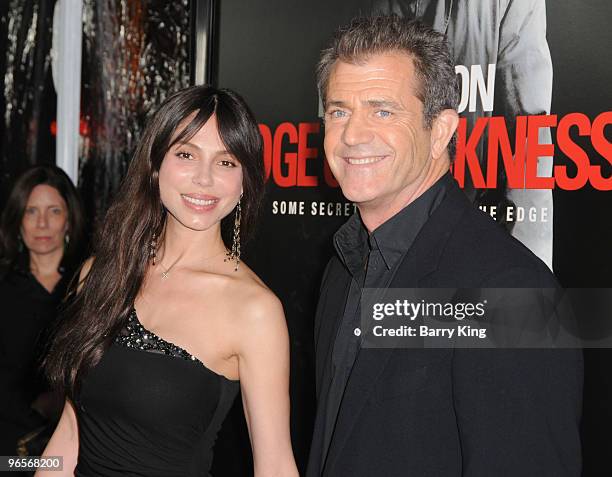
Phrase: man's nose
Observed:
(203, 174)
(357, 130)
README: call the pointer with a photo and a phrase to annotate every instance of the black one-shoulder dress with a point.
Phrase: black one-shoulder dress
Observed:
(149, 408)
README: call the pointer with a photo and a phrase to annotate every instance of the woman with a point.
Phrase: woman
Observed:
(168, 325)
(40, 235)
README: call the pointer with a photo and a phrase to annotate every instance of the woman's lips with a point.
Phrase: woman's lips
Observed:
(200, 202)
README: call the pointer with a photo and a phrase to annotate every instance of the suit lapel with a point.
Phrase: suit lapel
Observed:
(421, 260)
(329, 317)
(330, 311)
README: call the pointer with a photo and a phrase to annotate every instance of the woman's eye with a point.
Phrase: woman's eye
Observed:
(227, 163)
(184, 155)
(56, 211)
(30, 210)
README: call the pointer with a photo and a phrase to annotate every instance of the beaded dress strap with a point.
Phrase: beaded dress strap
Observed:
(135, 335)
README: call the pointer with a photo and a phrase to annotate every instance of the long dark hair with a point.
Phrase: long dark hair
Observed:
(12, 215)
(121, 247)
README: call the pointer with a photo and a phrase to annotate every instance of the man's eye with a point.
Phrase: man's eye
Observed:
(184, 155)
(383, 113)
(337, 113)
(227, 163)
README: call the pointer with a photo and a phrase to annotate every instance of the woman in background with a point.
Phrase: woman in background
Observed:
(168, 324)
(41, 233)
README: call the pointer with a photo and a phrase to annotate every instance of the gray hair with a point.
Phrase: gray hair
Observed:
(438, 87)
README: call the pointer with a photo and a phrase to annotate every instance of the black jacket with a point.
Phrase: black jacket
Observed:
(27, 312)
(451, 412)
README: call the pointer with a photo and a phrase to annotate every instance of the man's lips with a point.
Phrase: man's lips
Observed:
(363, 160)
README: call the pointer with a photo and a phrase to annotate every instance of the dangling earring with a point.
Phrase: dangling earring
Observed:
(66, 239)
(153, 248)
(153, 244)
(234, 253)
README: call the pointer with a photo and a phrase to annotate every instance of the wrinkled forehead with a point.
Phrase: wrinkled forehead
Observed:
(391, 73)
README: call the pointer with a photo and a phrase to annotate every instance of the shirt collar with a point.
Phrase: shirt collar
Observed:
(22, 264)
(395, 236)
(351, 243)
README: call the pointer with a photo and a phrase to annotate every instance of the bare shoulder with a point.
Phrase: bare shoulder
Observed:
(87, 266)
(85, 270)
(256, 301)
(254, 306)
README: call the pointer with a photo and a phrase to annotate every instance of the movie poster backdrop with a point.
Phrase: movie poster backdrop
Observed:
(533, 147)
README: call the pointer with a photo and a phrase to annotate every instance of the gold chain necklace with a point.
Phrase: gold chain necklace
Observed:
(166, 271)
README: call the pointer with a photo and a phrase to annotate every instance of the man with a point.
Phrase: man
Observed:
(390, 96)
(511, 35)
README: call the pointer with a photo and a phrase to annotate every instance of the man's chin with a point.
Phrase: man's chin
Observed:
(359, 196)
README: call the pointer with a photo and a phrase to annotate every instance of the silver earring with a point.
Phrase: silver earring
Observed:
(153, 248)
(234, 253)
(66, 239)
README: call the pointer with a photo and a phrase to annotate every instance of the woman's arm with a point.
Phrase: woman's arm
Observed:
(264, 379)
(64, 442)
(65, 439)
(84, 271)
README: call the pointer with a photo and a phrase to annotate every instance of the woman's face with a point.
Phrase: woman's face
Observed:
(45, 220)
(199, 181)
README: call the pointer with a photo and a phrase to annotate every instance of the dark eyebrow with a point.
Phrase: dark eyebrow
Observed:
(383, 103)
(373, 103)
(336, 104)
(190, 144)
(36, 206)
(220, 152)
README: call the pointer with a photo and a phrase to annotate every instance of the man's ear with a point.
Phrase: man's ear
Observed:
(442, 130)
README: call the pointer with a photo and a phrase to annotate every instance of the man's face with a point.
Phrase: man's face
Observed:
(375, 140)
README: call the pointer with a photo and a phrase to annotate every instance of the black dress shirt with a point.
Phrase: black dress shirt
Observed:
(446, 411)
(372, 260)
(27, 310)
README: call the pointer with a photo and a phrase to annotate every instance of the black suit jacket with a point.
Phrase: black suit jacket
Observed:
(450, 412)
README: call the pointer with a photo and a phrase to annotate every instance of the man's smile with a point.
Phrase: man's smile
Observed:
(357, 161)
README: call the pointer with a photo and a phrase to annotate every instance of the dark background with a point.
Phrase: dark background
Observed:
(266, 50)
(579, 37)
